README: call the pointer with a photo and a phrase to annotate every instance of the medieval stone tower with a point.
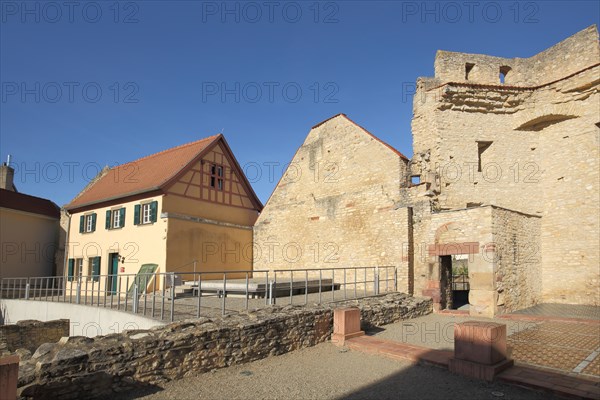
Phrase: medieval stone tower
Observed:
(521, 134)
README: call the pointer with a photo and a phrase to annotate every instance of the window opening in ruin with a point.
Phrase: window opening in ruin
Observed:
(481, 148)
(468, 68)
(415, 179)
(504, 70)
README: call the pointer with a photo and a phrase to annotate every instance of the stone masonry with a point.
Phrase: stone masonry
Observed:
(30, 335)
(80, 367)
(529, 145)
(505, 171)
(335, 206)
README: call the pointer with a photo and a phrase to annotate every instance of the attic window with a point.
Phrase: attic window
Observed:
(504, 70)
(468, 68)
(216, 176)
(415, 179)
(481, 148)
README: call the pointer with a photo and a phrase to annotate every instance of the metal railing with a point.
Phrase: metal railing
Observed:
(180, 295)
(460, 282)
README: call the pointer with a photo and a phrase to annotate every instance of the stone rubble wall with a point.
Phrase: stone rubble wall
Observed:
(29, 334)
(79, 367)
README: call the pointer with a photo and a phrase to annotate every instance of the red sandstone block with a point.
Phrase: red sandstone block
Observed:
(346, 325)
(476, 370)
(433, 284)
(480, 342)
(9, 374)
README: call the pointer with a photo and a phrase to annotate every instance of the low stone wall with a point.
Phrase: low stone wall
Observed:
(91, 368)
(30, 335)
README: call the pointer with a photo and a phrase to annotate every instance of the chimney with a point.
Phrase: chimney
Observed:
(7, 174)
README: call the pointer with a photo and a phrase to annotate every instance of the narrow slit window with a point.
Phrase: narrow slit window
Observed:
(504, 70)
(468, 68)
(481, 148)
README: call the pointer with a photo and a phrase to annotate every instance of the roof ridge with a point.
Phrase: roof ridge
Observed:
(181, 146)
(32, 196)
(328, 119)
(389, 146)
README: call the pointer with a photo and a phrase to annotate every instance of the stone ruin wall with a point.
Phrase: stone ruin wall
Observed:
(565, 58)
(29, 335)
(80, 367)
(543, 159)
(453, 228)
(504, 268)
(517, 259)
(343, 215)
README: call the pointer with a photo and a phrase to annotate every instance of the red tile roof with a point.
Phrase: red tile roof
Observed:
(146, 174)
(27, 203)
(366, 131)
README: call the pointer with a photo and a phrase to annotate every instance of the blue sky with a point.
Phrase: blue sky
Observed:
(88, 84)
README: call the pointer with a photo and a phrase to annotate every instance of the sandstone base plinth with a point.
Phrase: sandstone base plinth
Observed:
(346, 325)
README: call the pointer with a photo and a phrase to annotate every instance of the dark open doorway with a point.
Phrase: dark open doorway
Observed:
(454, 282)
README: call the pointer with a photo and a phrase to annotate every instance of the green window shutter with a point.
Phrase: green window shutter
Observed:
(153, 210)
(96, 269)
(81, 223)
(107, 225)
(136, 214)
(93, 222)
(71, 269)
(122, 217)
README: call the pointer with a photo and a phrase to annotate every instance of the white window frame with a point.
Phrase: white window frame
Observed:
(146, 217)
(116, 218)
(89, 223)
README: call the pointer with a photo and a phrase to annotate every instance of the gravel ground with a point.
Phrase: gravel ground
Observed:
(436, 331)
(328, 372)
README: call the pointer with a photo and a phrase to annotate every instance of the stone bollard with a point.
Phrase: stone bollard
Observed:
(479, 350)
(9, 374)
(346, 325)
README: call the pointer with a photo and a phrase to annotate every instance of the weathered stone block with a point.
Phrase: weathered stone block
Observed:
(483, 302)
(480, 342)
(479, 350)
(478, 371)
(346, 325)
(9, 374)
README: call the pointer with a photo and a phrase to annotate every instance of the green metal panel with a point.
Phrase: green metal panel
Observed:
(143, 277)
(71, 269)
